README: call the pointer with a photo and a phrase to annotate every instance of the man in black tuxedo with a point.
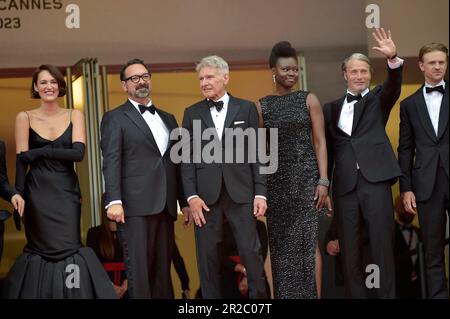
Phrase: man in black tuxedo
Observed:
(423, 158)
(364, 168)
(142, 184)
(219, 188)
(8, 193)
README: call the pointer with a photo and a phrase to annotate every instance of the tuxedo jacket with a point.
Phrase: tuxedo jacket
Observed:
(420, 150)
(242, 180)
(369, 145)
(133, 168)
(6, 191)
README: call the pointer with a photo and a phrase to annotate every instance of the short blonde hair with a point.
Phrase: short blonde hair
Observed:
(431, 47)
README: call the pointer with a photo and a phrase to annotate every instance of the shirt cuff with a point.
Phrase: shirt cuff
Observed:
(191, 197)
(261, 196)
(114, 202)
(395, 63)
(14, 192)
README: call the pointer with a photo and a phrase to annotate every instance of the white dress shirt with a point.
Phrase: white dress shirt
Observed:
(348, 109)
(159, 130)
(219, 117)
(433, 101)
(155, 123)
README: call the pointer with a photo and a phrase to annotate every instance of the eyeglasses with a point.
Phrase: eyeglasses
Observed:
(136, 78)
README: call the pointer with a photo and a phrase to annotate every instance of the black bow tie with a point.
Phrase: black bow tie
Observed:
(218, 105)
(439, 88)
(144, 108)
(406, 227)
(351, 97)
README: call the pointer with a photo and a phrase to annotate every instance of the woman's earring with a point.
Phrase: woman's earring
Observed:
(273, 78)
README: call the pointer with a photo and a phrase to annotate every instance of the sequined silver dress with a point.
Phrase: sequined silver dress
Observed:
(292, 217)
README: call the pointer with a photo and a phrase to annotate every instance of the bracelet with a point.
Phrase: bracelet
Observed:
(395, 55)
(324, 182)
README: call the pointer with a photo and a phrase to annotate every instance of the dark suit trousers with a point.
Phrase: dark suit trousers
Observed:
(209, 250)
(147, 243)
(367, 208)
(432, 219)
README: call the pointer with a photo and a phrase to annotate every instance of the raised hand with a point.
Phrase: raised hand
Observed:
(385, 44)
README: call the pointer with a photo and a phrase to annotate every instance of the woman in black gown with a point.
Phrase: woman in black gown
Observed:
(298, 190)
(49, 139)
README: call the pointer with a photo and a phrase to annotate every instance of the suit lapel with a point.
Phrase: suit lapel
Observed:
(360, 106)
(170, 125)
(205, 114)
(167, 119)
(443, 113)
(139, 121)
(358, 109)
(336, 113)
(421, 107)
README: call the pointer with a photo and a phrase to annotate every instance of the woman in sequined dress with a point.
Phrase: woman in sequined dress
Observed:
(298, 190)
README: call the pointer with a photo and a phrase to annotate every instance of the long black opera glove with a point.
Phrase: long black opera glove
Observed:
(21, 171)
(76, 153)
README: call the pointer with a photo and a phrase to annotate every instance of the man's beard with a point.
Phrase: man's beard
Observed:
(142, 92)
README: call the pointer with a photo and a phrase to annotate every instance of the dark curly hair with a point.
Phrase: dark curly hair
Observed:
(53, 70)
(132, 62)
(282, 49)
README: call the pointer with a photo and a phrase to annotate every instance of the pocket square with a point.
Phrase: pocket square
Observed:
(239, 122)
